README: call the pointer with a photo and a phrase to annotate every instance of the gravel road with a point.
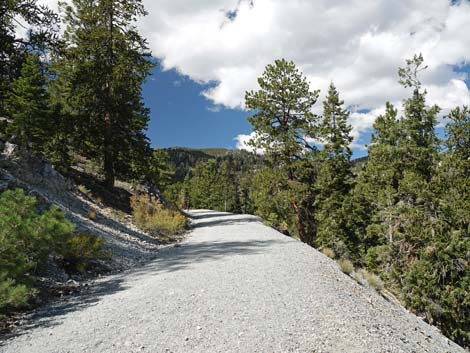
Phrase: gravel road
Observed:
(234, 285)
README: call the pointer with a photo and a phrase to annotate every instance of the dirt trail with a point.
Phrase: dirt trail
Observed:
(234, 285)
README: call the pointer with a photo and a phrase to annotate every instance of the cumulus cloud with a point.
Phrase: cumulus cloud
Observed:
(357, 44)
(242, 143)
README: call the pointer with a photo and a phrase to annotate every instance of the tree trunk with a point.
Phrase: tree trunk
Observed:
(109, 157)
(108, 167)
(298, 223)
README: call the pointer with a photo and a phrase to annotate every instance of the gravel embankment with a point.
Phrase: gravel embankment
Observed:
(233, 286)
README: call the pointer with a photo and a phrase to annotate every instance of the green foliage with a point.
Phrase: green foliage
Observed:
(28, 106)
(283, 124)
(415, 232)
(12, 294)
(214, 185)
(26, 240)
(283, 118)
(334, 181)
(42, 35)
(158, 172)
(402, 213)
(103, 65)
(150, 215)
(81, 251)
(271, 199)
(437, 283)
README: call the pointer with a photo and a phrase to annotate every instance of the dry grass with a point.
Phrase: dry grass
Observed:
(374, 281)
(150, 215)
(346, 266)
(328, 252)
(92, 215)
(84, 190)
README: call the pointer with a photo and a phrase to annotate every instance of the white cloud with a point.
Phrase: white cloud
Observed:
(242, 143)
(357, 44)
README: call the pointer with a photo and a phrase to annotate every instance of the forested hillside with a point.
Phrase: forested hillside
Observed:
(402, 213)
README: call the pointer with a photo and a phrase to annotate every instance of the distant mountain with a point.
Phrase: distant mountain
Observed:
(183, 159)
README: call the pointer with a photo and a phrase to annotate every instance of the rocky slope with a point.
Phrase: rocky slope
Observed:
(129, 245)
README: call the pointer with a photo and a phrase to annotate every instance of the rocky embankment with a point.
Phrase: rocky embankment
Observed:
(129, 245)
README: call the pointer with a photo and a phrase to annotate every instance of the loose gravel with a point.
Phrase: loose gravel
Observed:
(234, 285)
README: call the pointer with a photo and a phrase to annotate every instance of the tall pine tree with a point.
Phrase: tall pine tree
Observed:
(42, 34)
(28, 107)
(106, 61)
(284, 125)
(334, 179)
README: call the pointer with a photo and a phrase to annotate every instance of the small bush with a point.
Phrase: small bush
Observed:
(84, 190)
(375, 282)
(119, 215)
(346, 266)
(152, 216)
(328, 252)
(26, 240)
(80, 252)
(92, 214)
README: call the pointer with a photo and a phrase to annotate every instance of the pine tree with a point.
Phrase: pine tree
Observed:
(156, 170)
(229, 183)
(284, 124)
(376, 189)
(334, 179)
(28, 106)
(42, 34)
(106, 61)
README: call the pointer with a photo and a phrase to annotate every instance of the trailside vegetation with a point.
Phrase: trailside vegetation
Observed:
(401, 216)
(28, 239)
(73, 96)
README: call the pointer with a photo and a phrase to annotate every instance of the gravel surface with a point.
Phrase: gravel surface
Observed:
(234, 285)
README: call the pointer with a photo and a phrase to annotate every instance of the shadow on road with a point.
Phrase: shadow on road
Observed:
(224, 221)
(51, 315)
(193, 253)
(204, 214)
(170, 259)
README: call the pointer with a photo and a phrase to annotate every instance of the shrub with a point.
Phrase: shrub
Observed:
(358, 276)
(13, 294)
(81, 251)
(374, 281)
(328, 252)
(151, 215)
(84, 190)
(26, 240)
(346, 266)
(92, 214)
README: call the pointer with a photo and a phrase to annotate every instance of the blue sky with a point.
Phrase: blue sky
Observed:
(205, 42)
(226, 44)
(181, 115)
